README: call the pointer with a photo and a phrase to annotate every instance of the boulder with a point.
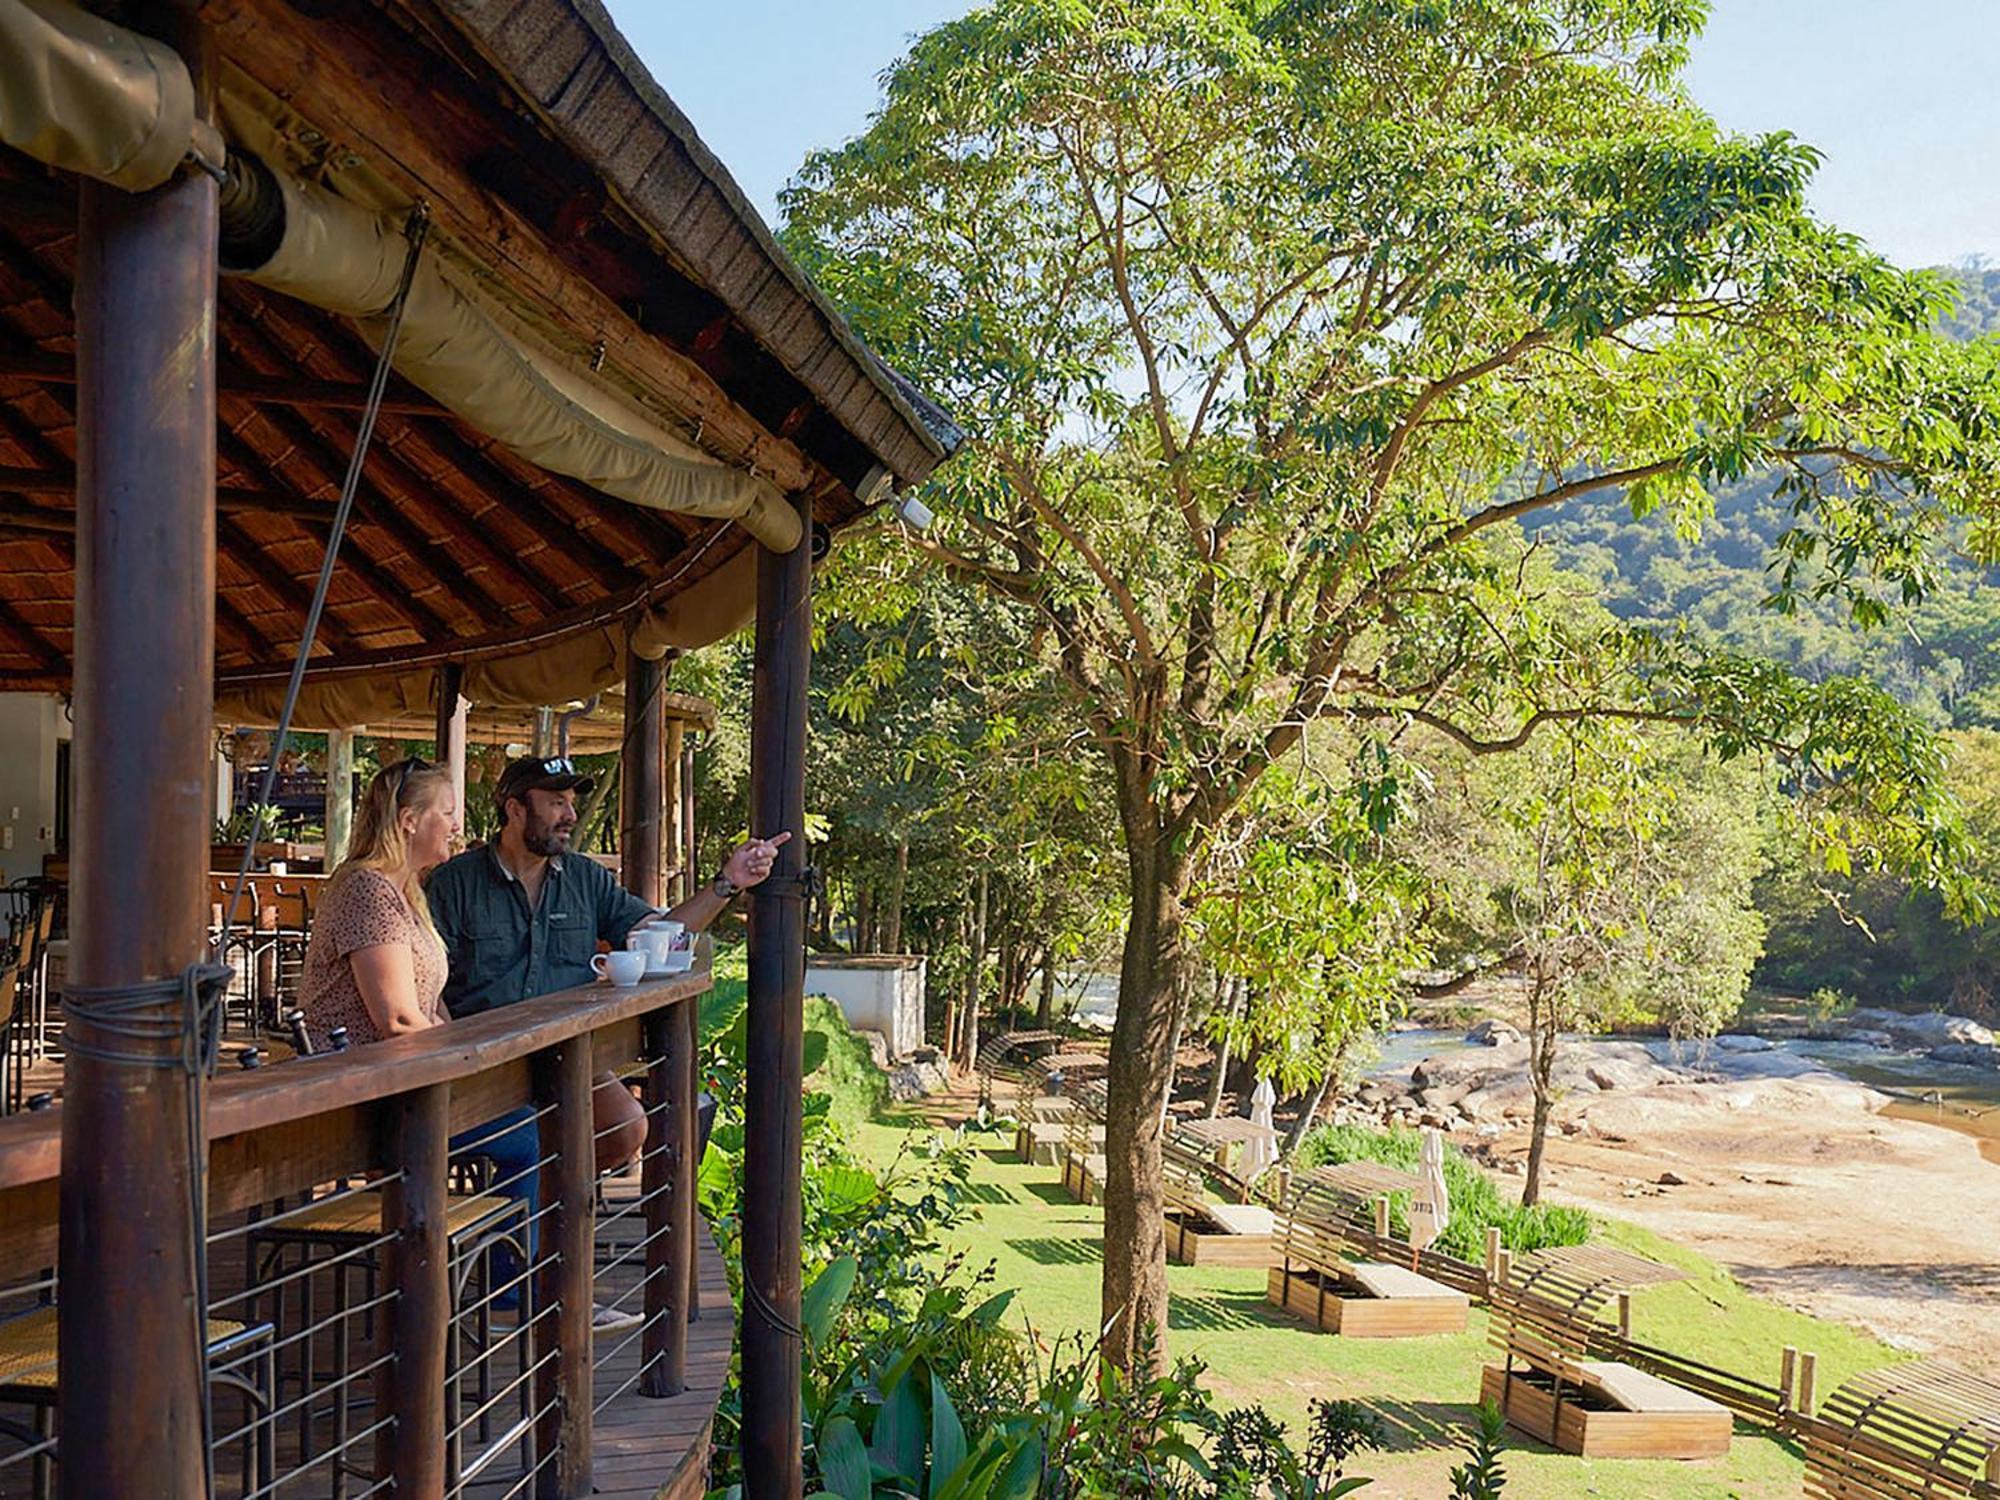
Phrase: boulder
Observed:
(1611, 1073)
(1671, 1179)
(1733, 1043)
(1866, 1037)
(1936, 1029)
(1444, 1095)
(1968, 1054)
(1493, 1033)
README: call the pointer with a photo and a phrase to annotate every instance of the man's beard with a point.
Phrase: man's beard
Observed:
(547, 839)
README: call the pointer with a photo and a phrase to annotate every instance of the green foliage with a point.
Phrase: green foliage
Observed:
(1253, 1458)
(1476, 1203)
(1827, 1002)
(1481, 1477)
(1271, 325)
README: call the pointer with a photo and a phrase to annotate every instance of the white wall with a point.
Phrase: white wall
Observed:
(884, 994)
(30, 724)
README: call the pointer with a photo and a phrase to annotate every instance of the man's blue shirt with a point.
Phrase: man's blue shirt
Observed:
(500, 951)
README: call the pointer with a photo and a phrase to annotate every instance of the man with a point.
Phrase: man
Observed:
(521, 917)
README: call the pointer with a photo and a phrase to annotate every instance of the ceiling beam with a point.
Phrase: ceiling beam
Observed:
(379, 114)
(261, 390)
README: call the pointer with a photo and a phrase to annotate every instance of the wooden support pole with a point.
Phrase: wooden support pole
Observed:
(1503, 1267)
(673, 840)
(1788, 1361)
(418, 1322)
(133, 1196)
(1492, 1248)
(1381, 1218)
(667, 1183)
(1808, 1383)
(642, 792)
(564, 1271)
(691, 856)
(340, 795)
(1625, 1316)
(773, 1457)
(452, 712)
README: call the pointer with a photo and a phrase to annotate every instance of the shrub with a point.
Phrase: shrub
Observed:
(1475, 1199)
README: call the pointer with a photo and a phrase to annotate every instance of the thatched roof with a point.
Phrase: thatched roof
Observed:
(560, 173)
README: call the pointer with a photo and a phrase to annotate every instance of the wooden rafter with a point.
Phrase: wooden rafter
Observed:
(263, 390)
(39, 646)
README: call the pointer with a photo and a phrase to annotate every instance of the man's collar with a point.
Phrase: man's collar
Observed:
(506, 872)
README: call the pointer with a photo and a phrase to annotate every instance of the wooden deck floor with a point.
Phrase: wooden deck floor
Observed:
(658, 1449)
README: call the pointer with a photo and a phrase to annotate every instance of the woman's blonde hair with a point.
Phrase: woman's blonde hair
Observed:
(378, 843)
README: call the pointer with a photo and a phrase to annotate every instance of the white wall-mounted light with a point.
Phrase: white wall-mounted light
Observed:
(913, 513)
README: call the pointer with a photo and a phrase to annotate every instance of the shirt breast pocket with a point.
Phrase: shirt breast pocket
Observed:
(572, 939)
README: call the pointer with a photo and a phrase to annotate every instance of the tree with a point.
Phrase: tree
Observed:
(1623, 891)
(1269, 321)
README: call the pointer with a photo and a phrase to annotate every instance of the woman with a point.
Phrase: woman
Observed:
(375, 963)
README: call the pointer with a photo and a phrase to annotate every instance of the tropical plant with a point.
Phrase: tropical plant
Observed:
(1480, 1477)
(1270, 324)
(1254, 1459)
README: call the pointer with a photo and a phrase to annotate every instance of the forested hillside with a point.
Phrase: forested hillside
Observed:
(1943, 657)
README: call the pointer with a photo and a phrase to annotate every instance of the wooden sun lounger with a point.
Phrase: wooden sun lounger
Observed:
(1924, 1429)
(1083, 1145)
(1319, 1277)
(1039, 1127)
(1545, 1311)
(1200, 1231)
(1007, 1058)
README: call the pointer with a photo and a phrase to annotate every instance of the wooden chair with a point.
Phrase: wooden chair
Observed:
(28, 1377)
(1200, 1230)
(1545, 1315)
(1924, 1429)
(14, 1039)
(1330, 1271)
(338, 1238)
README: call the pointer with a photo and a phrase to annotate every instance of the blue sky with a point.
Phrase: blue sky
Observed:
(1902, 96)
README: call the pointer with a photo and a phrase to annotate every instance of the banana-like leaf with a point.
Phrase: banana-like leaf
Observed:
(826, 1296)
(898, 1445)
(843, 1461)
(947, 1436)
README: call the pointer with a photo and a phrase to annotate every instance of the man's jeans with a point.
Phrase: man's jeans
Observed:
(512, 1142)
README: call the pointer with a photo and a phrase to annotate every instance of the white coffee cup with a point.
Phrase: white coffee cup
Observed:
(657, 940)
(624, 968)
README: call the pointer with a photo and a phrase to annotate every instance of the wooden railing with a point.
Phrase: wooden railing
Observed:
(352, 1403)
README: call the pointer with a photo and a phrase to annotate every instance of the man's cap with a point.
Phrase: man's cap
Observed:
(540, 773)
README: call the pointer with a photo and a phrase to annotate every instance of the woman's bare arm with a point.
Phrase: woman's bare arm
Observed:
(386, 975)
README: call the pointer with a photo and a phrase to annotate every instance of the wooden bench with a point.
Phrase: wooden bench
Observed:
(1320, 1275)
(1005, 1059)
(1200, 1231)
(1545, 1315)
(1925, 1429)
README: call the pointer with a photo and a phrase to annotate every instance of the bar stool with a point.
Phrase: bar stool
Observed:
(28, 1377)
(344, 1230)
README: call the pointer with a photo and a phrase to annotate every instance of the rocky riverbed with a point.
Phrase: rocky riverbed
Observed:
(1759, 1154)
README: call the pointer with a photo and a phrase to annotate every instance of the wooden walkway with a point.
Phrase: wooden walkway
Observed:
(658, 1449)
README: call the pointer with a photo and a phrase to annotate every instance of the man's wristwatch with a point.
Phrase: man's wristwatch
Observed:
(724, 888)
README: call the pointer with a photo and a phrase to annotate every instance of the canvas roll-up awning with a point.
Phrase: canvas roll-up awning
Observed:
(82, 94)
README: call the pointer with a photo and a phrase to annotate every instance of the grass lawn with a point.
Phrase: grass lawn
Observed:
(1048, 1249)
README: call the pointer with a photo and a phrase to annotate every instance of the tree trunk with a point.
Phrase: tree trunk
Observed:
(1307, 1114)
(952, 997)
(1174, 1053)
(864, 917)
(1222, 1050)
(968, 1046)
(1045, 1010)
(1541, 1072)
(1134, 1306)
(892, 939)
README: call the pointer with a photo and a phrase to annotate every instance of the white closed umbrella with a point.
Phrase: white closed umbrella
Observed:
(1260, 1152)
(1430, 1209)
